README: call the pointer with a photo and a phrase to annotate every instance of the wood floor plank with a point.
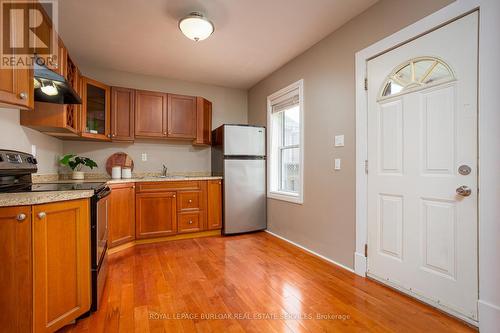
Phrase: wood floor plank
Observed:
(248, 283)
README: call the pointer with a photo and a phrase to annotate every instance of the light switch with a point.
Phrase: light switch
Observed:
(339, 141)
(337, 164)
(144, 157)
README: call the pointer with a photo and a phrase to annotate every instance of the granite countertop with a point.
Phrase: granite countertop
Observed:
(35, 198)
(134, 180)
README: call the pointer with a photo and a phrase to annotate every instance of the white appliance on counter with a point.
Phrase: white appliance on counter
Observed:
(239, 156)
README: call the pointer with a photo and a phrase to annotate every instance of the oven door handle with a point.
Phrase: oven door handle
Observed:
(103, 193)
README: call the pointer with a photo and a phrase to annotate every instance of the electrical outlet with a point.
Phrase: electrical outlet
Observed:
(144, 157)
(339, 140)
(337, 164)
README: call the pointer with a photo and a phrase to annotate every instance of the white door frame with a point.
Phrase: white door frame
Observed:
(489, 144)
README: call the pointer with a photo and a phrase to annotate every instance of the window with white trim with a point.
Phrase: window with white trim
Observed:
(285, 144)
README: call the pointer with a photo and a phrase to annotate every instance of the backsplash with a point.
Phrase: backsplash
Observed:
(178, 157)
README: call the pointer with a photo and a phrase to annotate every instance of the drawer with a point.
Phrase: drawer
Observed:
(188, 200)
(188, 222)
(167, 186)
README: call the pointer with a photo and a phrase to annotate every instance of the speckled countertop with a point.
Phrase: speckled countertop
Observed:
(35, 198)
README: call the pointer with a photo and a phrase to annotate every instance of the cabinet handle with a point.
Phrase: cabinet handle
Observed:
(133, 186)
(23, 95)
(190, 222)
(173, 196)
(164, 133)
(220, 183)
(20, 217)
(42, 215)
(190, 201)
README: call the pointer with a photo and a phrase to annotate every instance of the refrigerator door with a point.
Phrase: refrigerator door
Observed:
(244, 196)
(244, 140)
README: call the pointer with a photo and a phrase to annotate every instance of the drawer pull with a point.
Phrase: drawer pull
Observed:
(20, 217)
(190, 222)
(42, 215)
(190, 201)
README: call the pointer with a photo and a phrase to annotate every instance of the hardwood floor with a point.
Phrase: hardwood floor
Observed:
(173, 286)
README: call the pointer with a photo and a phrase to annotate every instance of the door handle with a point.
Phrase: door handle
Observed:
(464, 191)
(42, 215)
(21, 217)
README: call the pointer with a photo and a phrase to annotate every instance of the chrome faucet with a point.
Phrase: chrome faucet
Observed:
(164, 171)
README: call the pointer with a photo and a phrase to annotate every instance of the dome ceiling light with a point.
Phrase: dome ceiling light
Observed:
(195, 26)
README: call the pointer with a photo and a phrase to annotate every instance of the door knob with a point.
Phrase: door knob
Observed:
(23, 95)
(42, 215)
(21, 217)
(464, 191)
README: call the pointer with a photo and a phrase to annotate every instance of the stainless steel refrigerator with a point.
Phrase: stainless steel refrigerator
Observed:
(239, 155)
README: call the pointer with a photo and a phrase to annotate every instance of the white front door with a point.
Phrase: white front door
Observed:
(422, 167)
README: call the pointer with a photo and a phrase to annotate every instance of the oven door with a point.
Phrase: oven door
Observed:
(102, 214)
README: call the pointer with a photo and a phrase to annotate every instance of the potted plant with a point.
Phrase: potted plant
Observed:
(76, 163)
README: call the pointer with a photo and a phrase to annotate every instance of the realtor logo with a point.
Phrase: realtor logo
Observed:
(29, 33)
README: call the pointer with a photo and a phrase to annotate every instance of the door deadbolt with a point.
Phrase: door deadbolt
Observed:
(464, 170)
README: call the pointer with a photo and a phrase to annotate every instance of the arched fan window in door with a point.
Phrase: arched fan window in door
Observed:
(417, 74)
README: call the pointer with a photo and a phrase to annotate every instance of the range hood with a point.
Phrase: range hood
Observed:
(51, 87)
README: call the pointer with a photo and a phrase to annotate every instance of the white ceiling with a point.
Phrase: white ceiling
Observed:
(252, 37)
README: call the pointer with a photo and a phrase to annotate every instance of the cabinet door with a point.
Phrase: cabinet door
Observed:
(95, 110)
(15, 269)
(150, 114)
(16, 88)
(155, 214)
(214, 210)
(181, 116)
(122, 114)
(61, 263)
(122, 214)
(203, 122)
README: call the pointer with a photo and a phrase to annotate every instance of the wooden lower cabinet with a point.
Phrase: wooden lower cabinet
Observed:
(156, 214)
(15, 270)
(214, 206)
(61, 263)
(121, 214)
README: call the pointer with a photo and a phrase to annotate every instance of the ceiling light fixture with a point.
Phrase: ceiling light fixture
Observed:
(195, 26)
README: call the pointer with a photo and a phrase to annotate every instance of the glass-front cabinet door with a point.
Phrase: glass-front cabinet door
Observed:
(95, 122)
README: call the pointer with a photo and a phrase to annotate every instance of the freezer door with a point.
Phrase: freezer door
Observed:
(244, 140)
(244, 196)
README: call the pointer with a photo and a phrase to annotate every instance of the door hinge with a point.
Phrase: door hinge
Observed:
(366, 166)
(366, 84)
(366, 250)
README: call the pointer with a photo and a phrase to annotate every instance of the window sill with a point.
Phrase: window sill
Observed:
(284, 196)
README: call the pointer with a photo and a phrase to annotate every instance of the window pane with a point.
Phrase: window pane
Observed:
(290, 169)
(291, 126)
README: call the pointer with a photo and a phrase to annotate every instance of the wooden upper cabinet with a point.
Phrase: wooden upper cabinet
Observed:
(96, 110)
(61, 266)
(150, 114)
(214, 199)
(203, 122)
(15, 269)
(16, 85)
(16, 88)
(122, 114)
(181, 116)
(155, 214)
(121, 214)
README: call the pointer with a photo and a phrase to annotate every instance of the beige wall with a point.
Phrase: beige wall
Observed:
(229, 106)
(325, 223)
(14, 136)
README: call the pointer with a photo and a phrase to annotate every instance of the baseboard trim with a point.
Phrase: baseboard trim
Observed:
(310, 251)
(163, 239)
(360, 264)
(489, 317)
